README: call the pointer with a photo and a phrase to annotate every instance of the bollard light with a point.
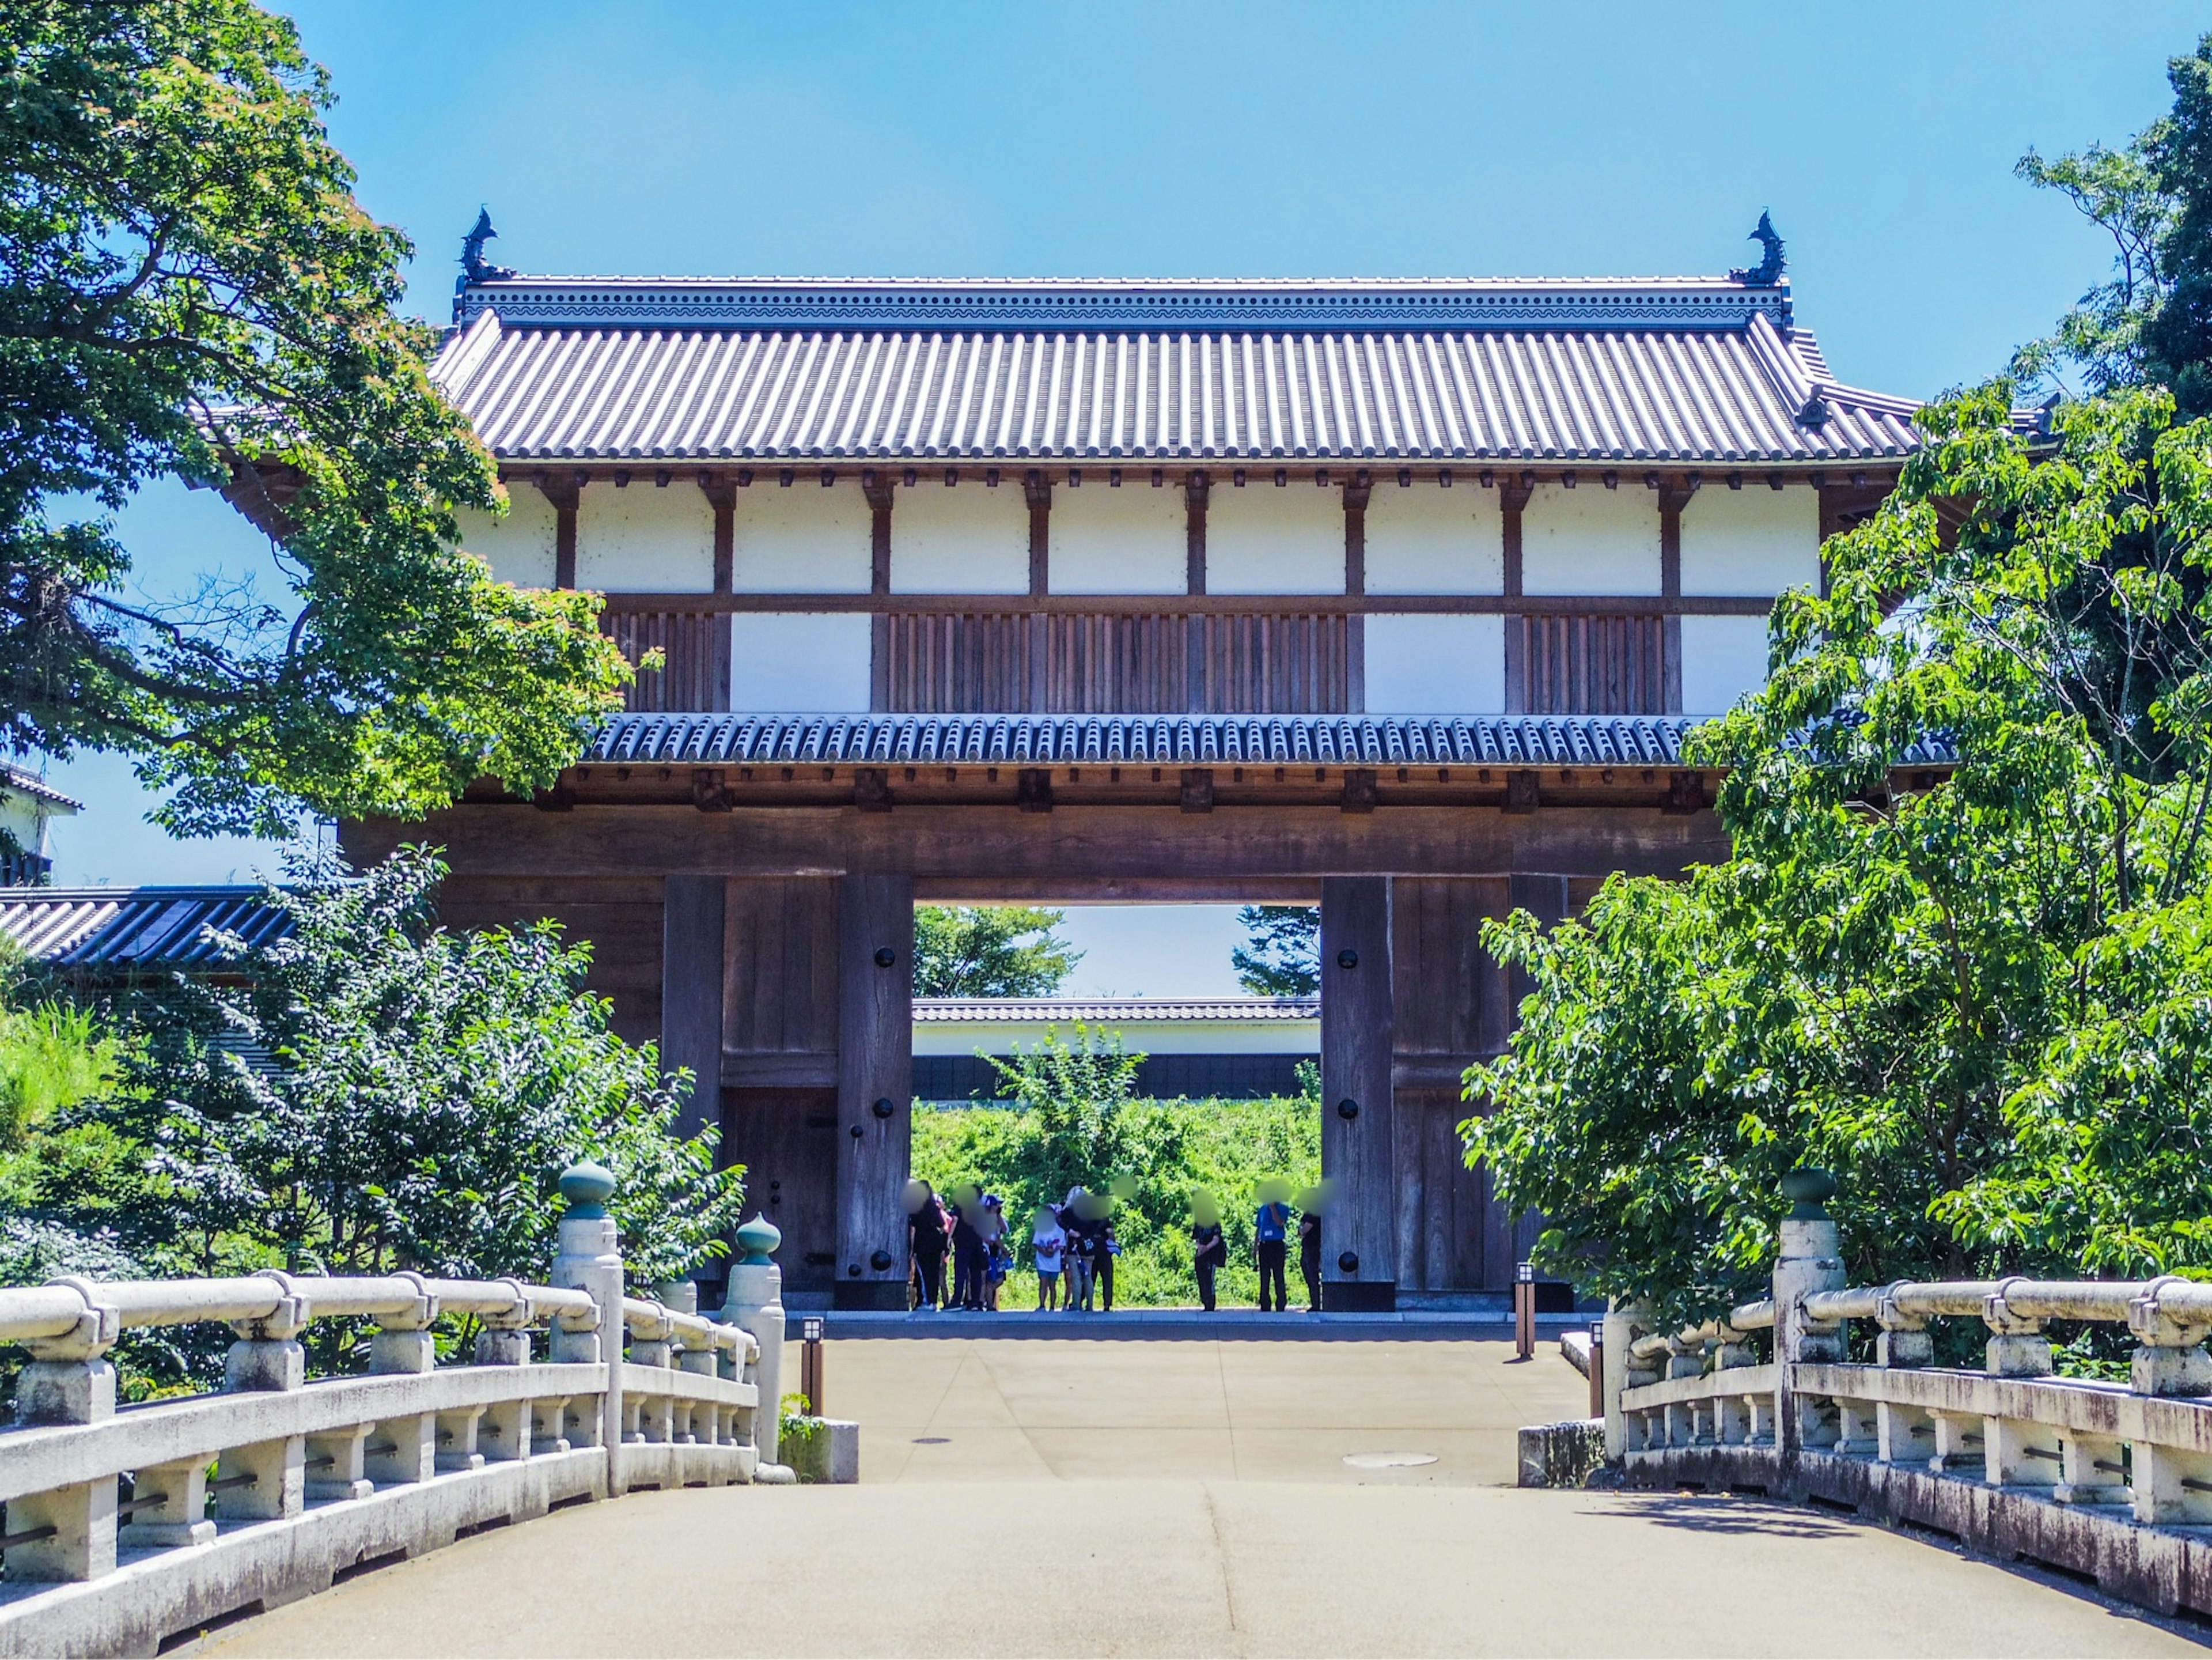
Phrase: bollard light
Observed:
(810, 1365)
(1524, 1310)
(1597, 1369)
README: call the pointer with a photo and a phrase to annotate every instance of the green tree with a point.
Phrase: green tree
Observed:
(191, 292)
(989, 950)
(1941, 985)
(1281, 954)
(386, 1094)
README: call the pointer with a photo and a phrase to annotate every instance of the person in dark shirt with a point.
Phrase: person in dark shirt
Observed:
(966, 1252)
(1104, 1248)
(925, 1237)
(1309, 1253)
(1209, 1252)
(1081, 1263)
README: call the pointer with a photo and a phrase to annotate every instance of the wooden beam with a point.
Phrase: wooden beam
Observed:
(1201, 605)
(691, 995)
(802, 1069)
(1358, 1153)
(875, 1085)
(1195, 491)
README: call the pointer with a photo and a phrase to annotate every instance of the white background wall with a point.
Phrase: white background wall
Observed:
(1131, 540)
(1260, 539)
(644, 539)
(1426, 540)
(1754, 540)
(798, 662)
(805, 539)
(1436, 665)
(1590, 540)
(967, 539)
(1722, 657)
(519, 548)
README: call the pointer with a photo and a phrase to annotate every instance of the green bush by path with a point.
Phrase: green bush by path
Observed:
(1164, 1148)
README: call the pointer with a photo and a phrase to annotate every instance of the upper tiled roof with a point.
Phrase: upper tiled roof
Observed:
(941, 1011)
(1642, 370)
(15, 778)
(135, 927)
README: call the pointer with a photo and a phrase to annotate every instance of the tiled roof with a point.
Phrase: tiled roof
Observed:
(1692, 371)
(1046, 740)
(940, 1011)
(135, 927)
(15, 778)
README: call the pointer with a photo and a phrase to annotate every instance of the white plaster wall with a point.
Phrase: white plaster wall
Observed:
(519, 547)
(1425, 539)
(1260, 539)
(969, 538)
(1754, 540)
(802, 539)
(1131, 540)
(1722, 657)
(1590, 540)
(798, 662)
(1436, 664)
(645, 539)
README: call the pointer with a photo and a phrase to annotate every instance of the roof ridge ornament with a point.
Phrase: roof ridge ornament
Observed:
(475, 268)
(1768, 271)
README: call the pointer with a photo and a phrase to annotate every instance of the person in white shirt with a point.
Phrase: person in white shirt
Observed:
(1049, 1241)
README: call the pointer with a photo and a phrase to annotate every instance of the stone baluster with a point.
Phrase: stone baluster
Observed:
(590, 1260)
(1903, 1435)
(405, 1448)
(504, 1432)
(755, 1304)
(268, 1480)
(2017, 1347)
(2171, 1487)
(69, 1533)
(1810, 1259)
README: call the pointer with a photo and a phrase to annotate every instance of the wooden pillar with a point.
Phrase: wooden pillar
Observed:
(1036, 489)
(691, 994)
(722, 496)
(566, 495)
(1356, 495)
(1512, 498)
(1195, 490)
(877, 489)
(875, 1085)
(1673, 498)
(1359, 1152)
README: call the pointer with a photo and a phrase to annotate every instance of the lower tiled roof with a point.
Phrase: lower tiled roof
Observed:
(938, 1011)
(1047, 740)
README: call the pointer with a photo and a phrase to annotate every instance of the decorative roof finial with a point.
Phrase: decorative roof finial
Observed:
(475, 268)
(1768, 271)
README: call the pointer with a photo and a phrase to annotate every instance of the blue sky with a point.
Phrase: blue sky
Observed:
(1280, 139)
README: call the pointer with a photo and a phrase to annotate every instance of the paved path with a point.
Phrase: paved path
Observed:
(1100, 1498)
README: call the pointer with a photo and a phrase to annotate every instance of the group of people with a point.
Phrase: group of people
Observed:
(1074, 1246)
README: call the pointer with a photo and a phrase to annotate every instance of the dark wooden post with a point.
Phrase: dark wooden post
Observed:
(1359, 1152)
(1197, 687)
(1512, 498)
(1673, 498)
(565, 494)
(1356, 495)
(877, 489)
(1036, 489)
(691, 994)
(875, 1085)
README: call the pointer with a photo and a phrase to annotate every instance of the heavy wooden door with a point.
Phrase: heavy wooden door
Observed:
(787, 1139)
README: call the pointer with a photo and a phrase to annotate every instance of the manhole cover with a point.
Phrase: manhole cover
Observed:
(1387, 1461)
(932, 1440)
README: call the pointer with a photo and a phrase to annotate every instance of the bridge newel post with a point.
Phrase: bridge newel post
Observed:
(1624, 1321)
(590, 1261)
(1811, 1260)
(754, 1303)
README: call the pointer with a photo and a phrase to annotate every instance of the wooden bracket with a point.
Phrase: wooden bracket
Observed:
(1686, 793)
(1521, 791)
(708, 793)
(872, 789)
(1197, 789)
(1358, 790)
(1033, 789)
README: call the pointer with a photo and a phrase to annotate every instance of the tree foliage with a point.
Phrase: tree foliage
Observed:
(1961, 989)
(191, 292)
(989, 950)
(385, 1094)
(1281, 954)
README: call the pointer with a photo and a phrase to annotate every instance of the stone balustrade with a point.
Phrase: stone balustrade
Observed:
(127, 1527)
(2106, 1479)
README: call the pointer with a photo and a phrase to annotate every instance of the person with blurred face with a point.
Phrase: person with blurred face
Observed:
(1072, 1219)
(1104, 1248)
(967, 1248)
(1209, 1249)
(925, 1237)
(1310, 1210)
(1049, 1241)
(1271, 1227)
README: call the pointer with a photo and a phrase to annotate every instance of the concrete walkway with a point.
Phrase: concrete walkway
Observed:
(1193, 1497)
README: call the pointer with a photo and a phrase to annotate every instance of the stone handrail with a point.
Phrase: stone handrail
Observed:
(128, 1526)
(2107, 1479)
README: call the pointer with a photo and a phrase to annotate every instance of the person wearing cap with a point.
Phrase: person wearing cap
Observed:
(992, 1226)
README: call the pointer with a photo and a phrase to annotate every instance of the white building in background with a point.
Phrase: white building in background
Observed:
(28, 807)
